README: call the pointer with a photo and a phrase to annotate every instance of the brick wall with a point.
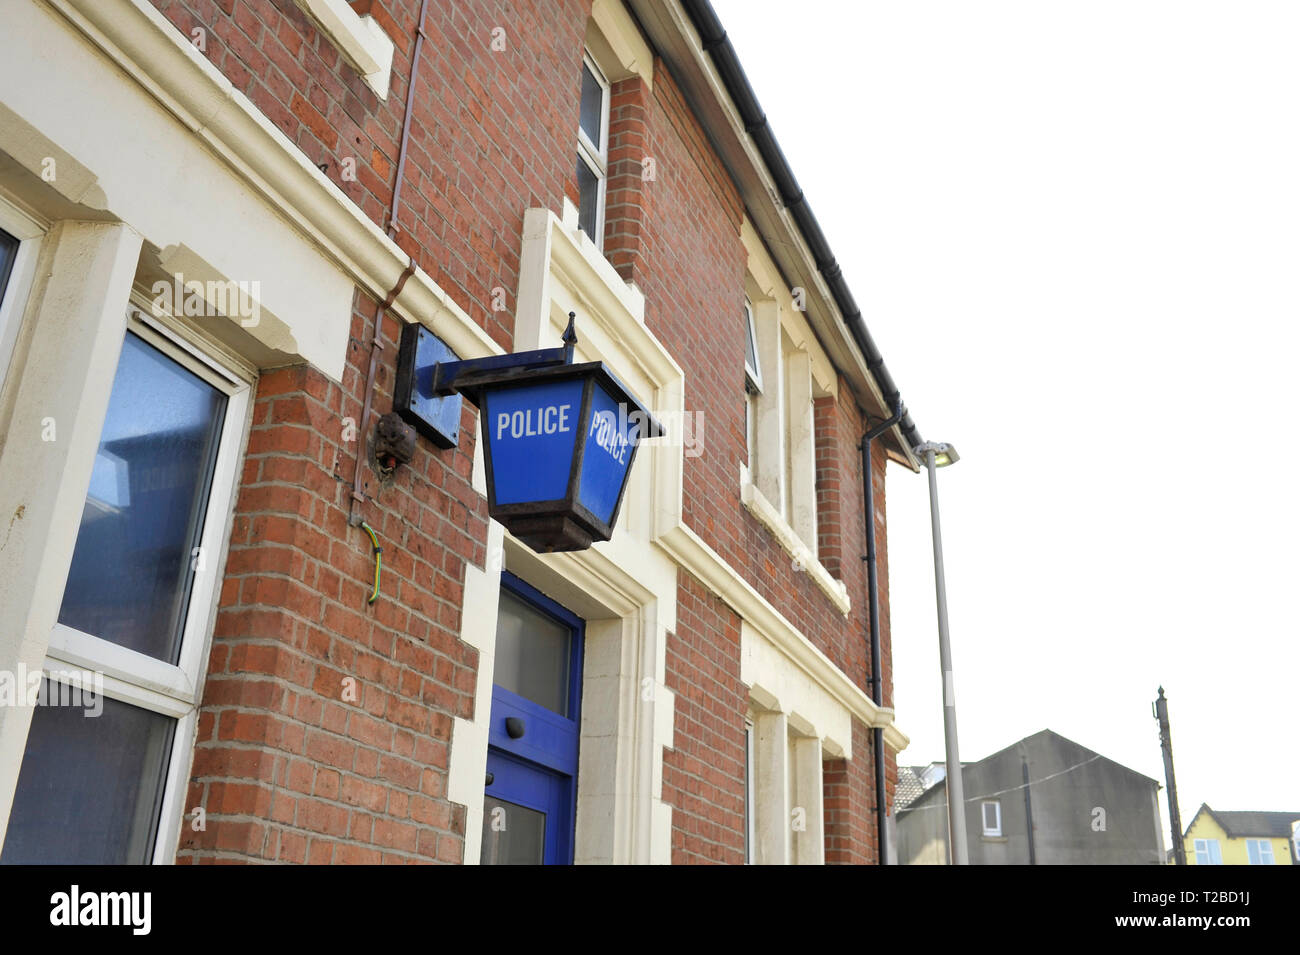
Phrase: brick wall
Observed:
(625, 236)
(704, 774)
(685, 253)
(493, 133)
(294, 763)
(285, 767)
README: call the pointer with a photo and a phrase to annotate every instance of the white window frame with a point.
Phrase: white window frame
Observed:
(753, 374)
(1263, 847)
(996, 829)
(13, 297)
(776, 477)
(1210, 849)
(596, 155)
(753, 388)
(137, 678)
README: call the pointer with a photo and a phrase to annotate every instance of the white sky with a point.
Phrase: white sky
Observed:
(1074, 230)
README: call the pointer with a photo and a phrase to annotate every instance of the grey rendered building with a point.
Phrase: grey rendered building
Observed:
(1086, 809)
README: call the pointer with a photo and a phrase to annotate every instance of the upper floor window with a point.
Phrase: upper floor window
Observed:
(753, 387)
(1259, 851)
(8, 254)
(1207, 852)
(593, 150)
(20, 240)
(991, 811)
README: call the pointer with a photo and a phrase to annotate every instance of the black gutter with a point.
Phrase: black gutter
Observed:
(873, 602)
(715, 43)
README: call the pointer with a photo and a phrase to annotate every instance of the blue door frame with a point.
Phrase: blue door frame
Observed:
(539, 770)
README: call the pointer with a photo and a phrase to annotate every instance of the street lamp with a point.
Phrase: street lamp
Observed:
(939, 455)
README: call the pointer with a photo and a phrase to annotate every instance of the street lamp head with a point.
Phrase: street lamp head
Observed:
(944, 454)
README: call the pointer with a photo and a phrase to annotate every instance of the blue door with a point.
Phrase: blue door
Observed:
(532, 768)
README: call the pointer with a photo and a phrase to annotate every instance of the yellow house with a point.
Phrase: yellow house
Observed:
(1242, 838)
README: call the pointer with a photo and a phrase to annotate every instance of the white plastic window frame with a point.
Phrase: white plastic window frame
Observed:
(13, 297)
(753, 388)
(753, 374)
(1262, 847)
(596, 155)
(144, 681)
(1209, 848)
(996, 829)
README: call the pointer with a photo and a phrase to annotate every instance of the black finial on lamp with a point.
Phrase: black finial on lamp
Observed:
(570, 338)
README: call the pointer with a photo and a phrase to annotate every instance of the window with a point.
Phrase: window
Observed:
(593, 151)
(1207, 852)
(991, 811)
(20, 240)
(1259, 851)
(781, 453)
(753, 388)
(135, 615)
(8, 255)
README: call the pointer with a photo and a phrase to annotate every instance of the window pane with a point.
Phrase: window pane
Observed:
(593, 101)
(132, 566)
(588, 195)
(9, 322)
(751, 352)
(90, 787)
(8, 252)
(532, 655)
(512, 835)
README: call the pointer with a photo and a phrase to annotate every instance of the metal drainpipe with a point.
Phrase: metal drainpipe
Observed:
(873, 602)
(376, 343)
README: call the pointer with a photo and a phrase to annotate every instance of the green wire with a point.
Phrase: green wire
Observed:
(379, 551)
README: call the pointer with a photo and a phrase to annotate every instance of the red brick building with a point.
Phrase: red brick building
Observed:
(218, 218)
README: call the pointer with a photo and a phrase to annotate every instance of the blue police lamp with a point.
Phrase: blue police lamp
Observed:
(558, 438)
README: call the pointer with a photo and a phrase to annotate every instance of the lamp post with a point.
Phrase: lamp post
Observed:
(939, 455)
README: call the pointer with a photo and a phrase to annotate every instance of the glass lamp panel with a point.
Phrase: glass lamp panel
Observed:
(611, 437)
(531, 432)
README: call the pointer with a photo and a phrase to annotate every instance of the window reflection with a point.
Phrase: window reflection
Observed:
(135, 553)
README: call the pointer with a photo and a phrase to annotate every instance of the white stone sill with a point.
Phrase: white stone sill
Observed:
(802, 557)
(361, 40)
